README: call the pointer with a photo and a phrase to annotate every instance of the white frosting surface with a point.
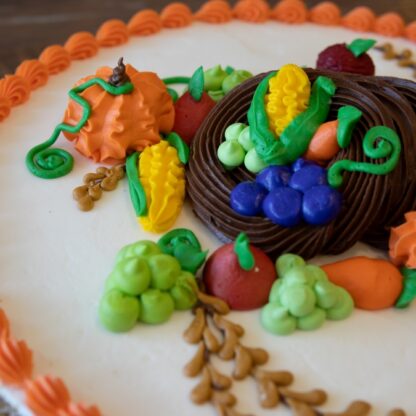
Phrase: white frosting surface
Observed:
(54, 259)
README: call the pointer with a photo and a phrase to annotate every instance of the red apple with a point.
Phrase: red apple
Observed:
(189, 115)
(226, 275)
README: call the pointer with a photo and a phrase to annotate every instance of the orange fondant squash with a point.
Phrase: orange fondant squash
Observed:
(121, 124)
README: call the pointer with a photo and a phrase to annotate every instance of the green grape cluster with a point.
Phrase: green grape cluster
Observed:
(303, 298)
(238, 148)
(145, 285)
(218, 81)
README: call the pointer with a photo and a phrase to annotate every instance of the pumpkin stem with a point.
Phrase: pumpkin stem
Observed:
(119, 76)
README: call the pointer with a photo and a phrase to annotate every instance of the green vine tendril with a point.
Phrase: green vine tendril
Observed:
(379, 142)
(47, 163)
(175, 80)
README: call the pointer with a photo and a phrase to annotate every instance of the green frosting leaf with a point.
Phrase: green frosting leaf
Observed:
(409, 288)
(184, 245)
(182, 148)
(243, 251)
(360, 46)
(348, 117)
(196, 84)
(137, 194)
(229, 69)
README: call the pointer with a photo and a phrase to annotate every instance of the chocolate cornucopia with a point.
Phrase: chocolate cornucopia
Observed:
(372, 203)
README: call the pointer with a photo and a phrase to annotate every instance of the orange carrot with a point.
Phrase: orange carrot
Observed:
(373, 283)
(324, 145)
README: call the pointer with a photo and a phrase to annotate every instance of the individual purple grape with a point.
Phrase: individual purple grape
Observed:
(321, 205)
(274, 177)
(301, 163)
(283, 206)
(247, 198)
(307, 177)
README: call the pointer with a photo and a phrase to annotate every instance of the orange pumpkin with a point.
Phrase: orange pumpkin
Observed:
(121, 124)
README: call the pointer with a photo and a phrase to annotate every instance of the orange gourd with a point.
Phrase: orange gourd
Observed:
(121, 124)
(373, 283)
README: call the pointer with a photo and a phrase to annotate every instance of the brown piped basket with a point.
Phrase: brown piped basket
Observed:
(372, 204)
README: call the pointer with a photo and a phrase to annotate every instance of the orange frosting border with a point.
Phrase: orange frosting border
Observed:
(15, 89)
(47, 395)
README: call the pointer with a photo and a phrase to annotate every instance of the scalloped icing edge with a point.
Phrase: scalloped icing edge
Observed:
(94, 410)
(194, 17)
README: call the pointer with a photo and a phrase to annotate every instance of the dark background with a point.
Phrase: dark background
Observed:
(27, 26)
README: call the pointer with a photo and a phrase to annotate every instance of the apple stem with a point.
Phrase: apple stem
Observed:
(243, 252)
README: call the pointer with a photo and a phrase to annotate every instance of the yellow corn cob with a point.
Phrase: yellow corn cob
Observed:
(289, 92)
(163, 178)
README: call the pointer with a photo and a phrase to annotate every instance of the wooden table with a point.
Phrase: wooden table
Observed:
(27, 26)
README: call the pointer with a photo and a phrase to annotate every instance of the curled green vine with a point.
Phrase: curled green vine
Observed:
(51, 163)
(379, 142)
(173, 81)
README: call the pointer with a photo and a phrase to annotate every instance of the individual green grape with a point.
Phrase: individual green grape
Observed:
(157, 306)
(296, 276)
(253, 162)
(119, 312)
(234, 79)
(315, 274)
(343, 307)
(276, 291)
(285, 262)
(312, 321)
(299, 300)
(143, 248)
(132, 275)
(233, 131)
(164, 271)
(184, 293)
(276, 319)
(216, 95)
(231, 154)
(110, 283)
(214, 77)
(245, 139)
(326, 294)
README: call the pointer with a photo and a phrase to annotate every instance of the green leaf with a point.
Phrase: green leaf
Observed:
(360, 46)
(182, 148)
(348, 117)
(409, 288)
(184, 245)
(137, 194)
(196, 84)
(244, 254)
(229, 70)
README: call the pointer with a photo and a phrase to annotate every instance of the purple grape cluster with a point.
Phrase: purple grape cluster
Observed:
(288, 195)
